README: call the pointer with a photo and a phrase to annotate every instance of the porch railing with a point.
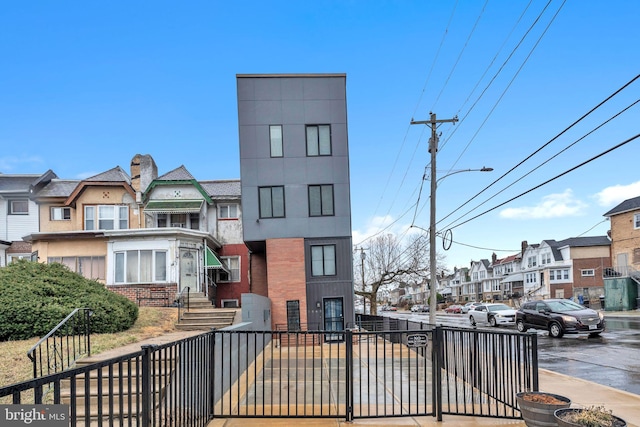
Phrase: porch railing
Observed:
(63, 345)
(182, 301)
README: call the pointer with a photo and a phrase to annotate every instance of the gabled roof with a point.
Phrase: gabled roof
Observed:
(178, 176)
(223, 189)
(58, 188)
(17, 183)
(112, 178)
(510, 258)
(626, 206)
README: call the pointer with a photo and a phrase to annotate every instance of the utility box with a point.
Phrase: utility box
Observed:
(620, 294)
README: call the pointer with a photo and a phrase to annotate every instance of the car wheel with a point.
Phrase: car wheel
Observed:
(520, 326)
(555, 330)
(492, 321)
(472, 321)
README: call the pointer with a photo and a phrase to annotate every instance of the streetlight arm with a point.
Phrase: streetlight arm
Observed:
(483, 169)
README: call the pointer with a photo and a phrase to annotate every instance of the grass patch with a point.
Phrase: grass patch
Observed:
(16, 367)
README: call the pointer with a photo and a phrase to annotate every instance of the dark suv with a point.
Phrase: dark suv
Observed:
(559, 317)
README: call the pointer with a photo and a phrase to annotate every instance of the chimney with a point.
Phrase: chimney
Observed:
(524, 247)
(143, 172)
(494, 258)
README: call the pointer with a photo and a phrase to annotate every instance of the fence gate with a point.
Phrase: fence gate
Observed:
(371, 373)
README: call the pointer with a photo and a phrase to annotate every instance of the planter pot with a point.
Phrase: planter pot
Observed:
(537, 408)
(562, 422)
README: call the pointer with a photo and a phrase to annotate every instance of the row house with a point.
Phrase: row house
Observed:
(145, 236)
(507, 269)
(479, 273)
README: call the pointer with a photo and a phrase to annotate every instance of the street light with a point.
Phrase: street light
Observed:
(432, 236)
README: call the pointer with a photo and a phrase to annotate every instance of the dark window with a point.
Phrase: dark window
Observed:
(293, 315)
(321, 200)
(275, 140)
(271, 200)
(323, 260)
(318, 140)
(19, 207)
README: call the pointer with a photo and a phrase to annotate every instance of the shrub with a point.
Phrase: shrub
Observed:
(35, 297)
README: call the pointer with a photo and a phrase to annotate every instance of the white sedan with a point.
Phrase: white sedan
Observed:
(494, 314)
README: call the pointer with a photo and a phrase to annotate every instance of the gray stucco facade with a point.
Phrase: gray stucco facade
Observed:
(297, 107)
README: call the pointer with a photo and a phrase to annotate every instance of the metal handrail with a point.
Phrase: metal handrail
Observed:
(181, 299)
(63, 345)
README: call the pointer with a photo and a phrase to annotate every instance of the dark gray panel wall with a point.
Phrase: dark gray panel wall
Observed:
(293, 102)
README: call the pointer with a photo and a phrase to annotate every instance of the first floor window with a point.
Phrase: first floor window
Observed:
(233, 265)
(141, 266)
(271, 200)
(321, 200)
(90, 267)
(60, 214)
(323, 260)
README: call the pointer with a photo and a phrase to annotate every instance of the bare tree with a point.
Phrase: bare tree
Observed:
(388, 263)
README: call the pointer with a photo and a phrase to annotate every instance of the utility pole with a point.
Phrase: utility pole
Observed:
(364, 299)
(433, 148)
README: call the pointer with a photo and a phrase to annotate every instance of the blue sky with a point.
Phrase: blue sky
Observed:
(87, 85)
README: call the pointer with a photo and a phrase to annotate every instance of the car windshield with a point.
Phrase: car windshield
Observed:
(498, 307)
(562, 306)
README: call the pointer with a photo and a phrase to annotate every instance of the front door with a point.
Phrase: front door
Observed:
(333, 317)
(189, 270)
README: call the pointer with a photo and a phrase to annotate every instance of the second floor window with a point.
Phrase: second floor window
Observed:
(271, 201)
(190, 220)
(60, 214)
(275, 140)
(228, 211)
(323, 260)
(19, 207)
(233, 265)
(106, 217)
(321, 200)
(318, 140)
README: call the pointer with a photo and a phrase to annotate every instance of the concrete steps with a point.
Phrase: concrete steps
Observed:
(201, 315)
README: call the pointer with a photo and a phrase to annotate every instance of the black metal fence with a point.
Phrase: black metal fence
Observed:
(64, 345)
(413, 369)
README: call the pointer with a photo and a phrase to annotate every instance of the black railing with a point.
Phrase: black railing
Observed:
(63, 345)
(167, 385)
(182, 301)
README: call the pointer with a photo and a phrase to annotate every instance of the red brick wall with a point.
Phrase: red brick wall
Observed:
(234, 290)
(259, 275)
(148, 295)
(286, 278)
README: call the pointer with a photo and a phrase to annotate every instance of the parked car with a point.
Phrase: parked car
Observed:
(495, 314)
(453, 309)
(559, 317)
(388, 308)
(420, 308)
(469, 306)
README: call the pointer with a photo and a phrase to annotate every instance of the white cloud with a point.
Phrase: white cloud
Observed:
(380, 225)
(613, 195)
(552, 206)
(13, 164)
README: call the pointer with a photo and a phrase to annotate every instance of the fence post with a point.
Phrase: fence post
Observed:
(437, 362)
(349, 373)
(147, 351)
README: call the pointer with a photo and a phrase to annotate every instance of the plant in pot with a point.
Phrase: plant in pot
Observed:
(593, 416)
(537, 408)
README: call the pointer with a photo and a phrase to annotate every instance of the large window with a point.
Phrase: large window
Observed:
(141, 266)
(19, 207)
(275, 139)
(91, 267)
(318, 140)
(323, 260)
(271, 202)
(60, 214)
(228, 211)
(636, 221)
(233, 265)
(321, 200)
(106, 217)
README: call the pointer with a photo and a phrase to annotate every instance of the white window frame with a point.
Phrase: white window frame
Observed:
(588, 272)
(60, 213)
(234, 271)
(228, 211)
(122, 258)
(13, 204)
(636, 221)
(97, 215)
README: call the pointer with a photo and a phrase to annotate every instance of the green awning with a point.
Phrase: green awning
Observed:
(212, 261)
(173, 206)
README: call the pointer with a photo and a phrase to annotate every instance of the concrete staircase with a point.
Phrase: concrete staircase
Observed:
(202, 315)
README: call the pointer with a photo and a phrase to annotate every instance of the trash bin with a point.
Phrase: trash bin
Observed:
(602, 303)
(586, 303)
